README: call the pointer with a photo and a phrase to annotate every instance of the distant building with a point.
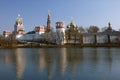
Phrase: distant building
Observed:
(40, 29)
(19, 27)
(34, 35)
(6, 33)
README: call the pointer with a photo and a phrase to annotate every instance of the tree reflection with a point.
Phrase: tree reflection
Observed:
(108, 59)
(75, 58)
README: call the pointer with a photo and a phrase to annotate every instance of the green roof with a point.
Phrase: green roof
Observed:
(31, 32)
(22, 30)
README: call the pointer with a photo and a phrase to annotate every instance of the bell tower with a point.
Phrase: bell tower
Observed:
(49, 28)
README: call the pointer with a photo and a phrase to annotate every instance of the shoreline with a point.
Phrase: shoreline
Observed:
(63, 46)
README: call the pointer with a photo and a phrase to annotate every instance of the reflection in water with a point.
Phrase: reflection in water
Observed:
(49, 61)
(108, 59)
(7, 58)
(41, 61)
(61, 63)
(75, 57)
(63, 60)
(20, 63)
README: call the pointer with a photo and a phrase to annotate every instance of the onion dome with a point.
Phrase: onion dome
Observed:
(72, 24)
(19, 20)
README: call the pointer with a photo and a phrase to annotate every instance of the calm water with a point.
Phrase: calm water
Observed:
(60, 64)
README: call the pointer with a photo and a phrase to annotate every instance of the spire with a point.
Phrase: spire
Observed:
(109, 26)
(48, 19)
(49, 28)
(48, 14)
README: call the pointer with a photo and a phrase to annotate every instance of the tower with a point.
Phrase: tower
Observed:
(109, 28)
(49, 28)
(60, 27)
(60, 31)
(18, 27)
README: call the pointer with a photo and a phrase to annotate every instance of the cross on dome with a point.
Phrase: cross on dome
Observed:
(18, 15)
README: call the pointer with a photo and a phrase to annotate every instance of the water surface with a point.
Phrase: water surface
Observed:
(60, 64)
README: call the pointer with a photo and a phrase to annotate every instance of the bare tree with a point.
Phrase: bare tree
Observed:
(75, 34)
(81, 29)
(93, 29)
(68, 35)
(103, 29)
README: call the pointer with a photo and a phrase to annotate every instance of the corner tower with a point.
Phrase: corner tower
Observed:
(60, 31)
(60, 27)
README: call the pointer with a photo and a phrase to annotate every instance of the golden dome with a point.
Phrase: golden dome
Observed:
(72, 24)
(19, 20)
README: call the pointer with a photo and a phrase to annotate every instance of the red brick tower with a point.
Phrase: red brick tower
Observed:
(49, 27)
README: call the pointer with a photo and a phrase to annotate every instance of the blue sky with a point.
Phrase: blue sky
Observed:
(82, 12)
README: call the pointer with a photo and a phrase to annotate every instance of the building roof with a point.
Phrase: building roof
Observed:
(103, 33)
(31, 32)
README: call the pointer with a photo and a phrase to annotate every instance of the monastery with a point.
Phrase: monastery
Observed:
(62, 35)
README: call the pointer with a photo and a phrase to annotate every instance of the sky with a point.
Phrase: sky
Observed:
(81, 12)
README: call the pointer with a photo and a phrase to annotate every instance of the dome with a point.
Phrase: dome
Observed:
(19, 21)
(72, 24)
